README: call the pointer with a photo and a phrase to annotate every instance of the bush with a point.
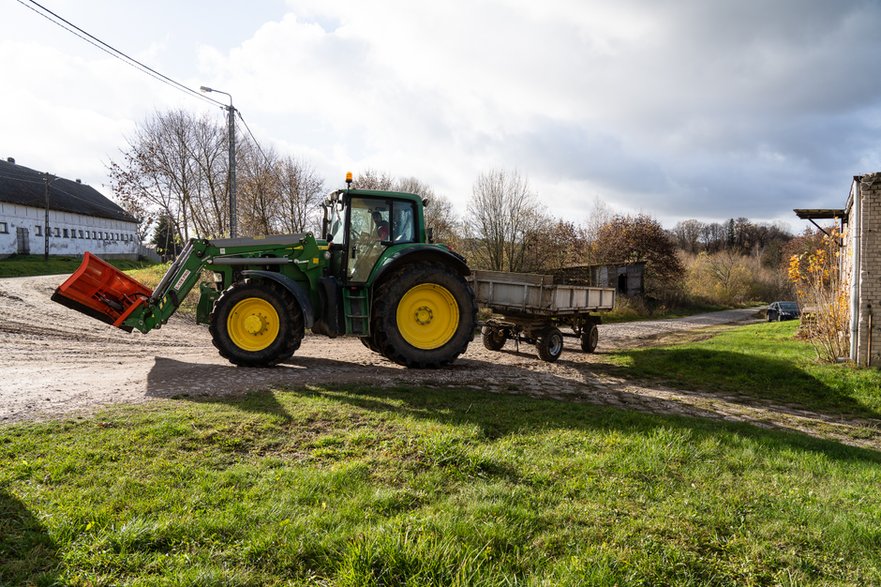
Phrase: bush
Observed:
(730, 279)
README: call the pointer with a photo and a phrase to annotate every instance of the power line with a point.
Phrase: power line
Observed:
(112, 51)
(253, 138)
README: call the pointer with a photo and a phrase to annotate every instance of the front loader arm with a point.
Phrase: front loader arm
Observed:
(174, 286)
(103, 292)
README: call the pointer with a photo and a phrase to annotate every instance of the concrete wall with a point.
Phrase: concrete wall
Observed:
(70, 234)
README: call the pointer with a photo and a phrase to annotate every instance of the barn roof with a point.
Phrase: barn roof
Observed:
(24, 186)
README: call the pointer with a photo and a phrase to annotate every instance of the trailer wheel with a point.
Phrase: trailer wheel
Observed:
(550, 344)
(590, 336)
(424, 316)
(493, 338)
(256, 324)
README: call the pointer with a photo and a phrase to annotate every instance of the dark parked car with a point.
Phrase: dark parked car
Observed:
(783, 311)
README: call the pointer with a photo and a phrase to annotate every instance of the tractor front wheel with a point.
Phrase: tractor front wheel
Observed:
(256, 324)
(424, 316)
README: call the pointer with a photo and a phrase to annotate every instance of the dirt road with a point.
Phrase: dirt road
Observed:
(57, 362)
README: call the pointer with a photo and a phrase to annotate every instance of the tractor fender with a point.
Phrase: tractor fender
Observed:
(412, 254)
(297, 290)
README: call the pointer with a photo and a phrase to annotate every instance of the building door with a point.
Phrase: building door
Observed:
(24, 241)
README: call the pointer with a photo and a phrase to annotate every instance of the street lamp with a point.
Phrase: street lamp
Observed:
(232, 158)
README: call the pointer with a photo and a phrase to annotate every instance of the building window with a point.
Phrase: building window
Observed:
(4, 228)
(72, 233)
(65, 233)
(38, 230)
(81, 234)
(57, 232)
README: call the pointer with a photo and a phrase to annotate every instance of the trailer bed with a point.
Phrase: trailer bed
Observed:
(532, 308)
(529, 294)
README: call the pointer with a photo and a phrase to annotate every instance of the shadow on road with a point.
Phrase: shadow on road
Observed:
(28, 556)
(200, 382)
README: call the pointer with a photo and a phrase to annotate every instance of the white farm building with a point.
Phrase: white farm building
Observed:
(80, 218)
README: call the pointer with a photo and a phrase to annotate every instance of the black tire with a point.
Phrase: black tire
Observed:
(405, 285)
(266, 294)
(493, 338)
(550, 344)
(368, 342)
(590, 337)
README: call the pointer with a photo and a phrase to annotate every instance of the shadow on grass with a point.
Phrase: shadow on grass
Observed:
(28, 555)
(749, 376)
(234, 386)
(499, 415)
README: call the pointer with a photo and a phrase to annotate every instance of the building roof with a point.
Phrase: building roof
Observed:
(26, 187)
(819, 213)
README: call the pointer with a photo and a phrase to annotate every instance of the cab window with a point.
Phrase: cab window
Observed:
(369, 230)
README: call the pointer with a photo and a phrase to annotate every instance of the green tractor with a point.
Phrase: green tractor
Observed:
(374, 274)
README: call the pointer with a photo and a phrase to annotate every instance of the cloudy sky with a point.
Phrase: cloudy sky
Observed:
(681, 109)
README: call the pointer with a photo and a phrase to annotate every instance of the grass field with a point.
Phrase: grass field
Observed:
(428, 487)
(763, 361)
(29, 265)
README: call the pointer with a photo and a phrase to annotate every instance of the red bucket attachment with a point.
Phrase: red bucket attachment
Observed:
(100, 290)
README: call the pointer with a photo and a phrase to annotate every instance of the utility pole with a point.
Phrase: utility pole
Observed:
(46, 220)
(232, 159)
(233, 222)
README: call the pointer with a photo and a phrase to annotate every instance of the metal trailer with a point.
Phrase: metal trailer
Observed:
(532, 308)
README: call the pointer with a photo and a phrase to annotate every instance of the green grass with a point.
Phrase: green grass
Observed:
(29, 265)
(428, 487)
(763, 361)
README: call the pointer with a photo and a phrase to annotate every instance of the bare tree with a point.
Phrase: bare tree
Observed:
(300, 196)
(687, 234)
(439, 213)
(140, 211)
(501, 213)
(258, 190)
(174, 164)
(372, 179)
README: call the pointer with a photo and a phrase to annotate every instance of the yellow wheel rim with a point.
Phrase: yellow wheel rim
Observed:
(253, 324)
(428, 316)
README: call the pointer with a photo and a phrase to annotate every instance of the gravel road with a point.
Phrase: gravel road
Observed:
(60, 363)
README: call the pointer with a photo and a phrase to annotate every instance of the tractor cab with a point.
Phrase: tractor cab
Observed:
(362, 225)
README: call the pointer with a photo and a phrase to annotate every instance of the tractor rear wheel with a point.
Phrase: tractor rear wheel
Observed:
(256, 324)
(550, 344)
(368, 342)
(590, 336)
(493, 338)
(424, 316)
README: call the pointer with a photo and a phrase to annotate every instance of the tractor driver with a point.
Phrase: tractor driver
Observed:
(382, 226)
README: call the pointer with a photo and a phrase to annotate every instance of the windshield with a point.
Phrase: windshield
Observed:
(788, 306)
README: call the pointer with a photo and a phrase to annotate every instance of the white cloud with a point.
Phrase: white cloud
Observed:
(707, 109)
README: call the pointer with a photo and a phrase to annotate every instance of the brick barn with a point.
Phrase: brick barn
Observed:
(861, 264)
